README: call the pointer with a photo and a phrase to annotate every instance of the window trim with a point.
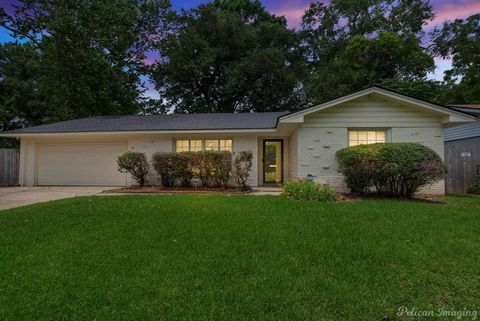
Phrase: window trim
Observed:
(367, 129)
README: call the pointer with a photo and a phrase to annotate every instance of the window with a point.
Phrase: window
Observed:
(359, 137)
(211, 144)
(195, 145)
(226, 145)
(182, 145)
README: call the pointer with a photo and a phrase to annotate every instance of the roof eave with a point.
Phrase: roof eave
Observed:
(138, 132)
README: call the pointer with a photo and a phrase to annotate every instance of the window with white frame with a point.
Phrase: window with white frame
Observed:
(226, 145)
(195, 145)
(211, 144)
(360, 137)
(182, 145)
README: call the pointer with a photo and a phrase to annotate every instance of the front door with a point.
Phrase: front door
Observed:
(273, 161)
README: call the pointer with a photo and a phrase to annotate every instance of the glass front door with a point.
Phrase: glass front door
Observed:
(272, 161)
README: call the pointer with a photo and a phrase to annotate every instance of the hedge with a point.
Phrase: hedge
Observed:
(393, 169)
(212, 167)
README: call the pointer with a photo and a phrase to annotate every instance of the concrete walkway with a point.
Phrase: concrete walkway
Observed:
(266, 190)
(11, 197)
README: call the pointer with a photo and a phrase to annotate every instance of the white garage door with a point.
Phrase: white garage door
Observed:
(80, 164)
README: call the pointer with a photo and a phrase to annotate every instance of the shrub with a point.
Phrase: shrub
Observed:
(163, 165)
(358, 164)
(212, 167)
(136, 164)
(242, 165)
(221, 168)
(309, 191)
(393, 169)
(474, 188)
(172, 166)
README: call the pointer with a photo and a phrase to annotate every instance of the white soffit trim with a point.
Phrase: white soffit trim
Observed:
(452, 115)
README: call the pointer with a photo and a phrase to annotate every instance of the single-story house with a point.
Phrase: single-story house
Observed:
(285, 145)
(462, 152)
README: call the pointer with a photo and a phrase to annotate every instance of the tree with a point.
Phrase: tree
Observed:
(83, 58)
(460, 41)
(20, 101)
(229, 56)
(432, 90)
(353, 44)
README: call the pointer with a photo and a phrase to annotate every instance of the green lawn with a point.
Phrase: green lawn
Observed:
(197, 257)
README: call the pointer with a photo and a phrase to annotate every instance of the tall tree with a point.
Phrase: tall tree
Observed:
(21, 103)
(352, 44)
(229, 56)
(20, 100)
(459, 40)
(85, 57)
(432, 90)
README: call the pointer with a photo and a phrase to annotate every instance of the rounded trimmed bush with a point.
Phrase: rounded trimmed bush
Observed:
(358, 164)
(394, 169)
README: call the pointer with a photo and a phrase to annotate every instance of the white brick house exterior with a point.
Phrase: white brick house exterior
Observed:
(284, 145)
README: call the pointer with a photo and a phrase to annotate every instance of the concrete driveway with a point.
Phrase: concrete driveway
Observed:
(11, 197)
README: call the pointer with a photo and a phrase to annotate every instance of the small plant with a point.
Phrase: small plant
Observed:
(242, 165)
(309, 191)
(136, 164)
(474, 188)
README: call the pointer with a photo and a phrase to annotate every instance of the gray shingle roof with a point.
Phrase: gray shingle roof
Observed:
(212, 121)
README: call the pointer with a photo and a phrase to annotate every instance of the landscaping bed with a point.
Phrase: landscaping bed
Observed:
(176, 190)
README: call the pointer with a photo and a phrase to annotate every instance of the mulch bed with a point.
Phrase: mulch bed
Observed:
(179, 190)
(204, 190)
(434, 199)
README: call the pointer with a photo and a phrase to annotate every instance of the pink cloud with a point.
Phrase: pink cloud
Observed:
(451, 11)
(444, 10)
(292, 10)
(293, 15)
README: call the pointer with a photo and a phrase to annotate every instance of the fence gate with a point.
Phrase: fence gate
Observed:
(462, 158)
(9, 166)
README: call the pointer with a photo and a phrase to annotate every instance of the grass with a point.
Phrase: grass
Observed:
(190, 257)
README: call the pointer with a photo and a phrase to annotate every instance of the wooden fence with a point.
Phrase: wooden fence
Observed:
(462, 158)
(9, 166)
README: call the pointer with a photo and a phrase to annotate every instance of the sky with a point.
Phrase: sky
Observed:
(294, 9)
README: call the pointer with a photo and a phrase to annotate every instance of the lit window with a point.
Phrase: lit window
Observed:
(359, 137)
(195, 145)
(211, 144)
(226, 145)
(182, 145)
